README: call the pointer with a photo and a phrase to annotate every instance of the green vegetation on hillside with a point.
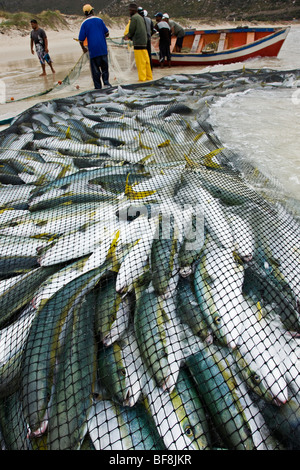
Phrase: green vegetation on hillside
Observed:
(21, 20)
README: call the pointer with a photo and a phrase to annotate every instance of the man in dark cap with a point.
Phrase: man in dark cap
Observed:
(164, 31)
(149, 28)
(138, 34)
(94, 30)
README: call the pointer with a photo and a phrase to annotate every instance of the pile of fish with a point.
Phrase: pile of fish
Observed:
(149, 293)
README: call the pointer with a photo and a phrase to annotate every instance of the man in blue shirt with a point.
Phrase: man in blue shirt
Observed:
(94, 30)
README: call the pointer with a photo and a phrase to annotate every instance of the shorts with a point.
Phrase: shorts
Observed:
(42, 55)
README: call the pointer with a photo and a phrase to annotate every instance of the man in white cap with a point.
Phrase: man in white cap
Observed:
(94, 30)
(176, 30)
(164, 30)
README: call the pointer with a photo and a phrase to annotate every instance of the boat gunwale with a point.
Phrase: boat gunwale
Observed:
(244, 29)
(276, 32)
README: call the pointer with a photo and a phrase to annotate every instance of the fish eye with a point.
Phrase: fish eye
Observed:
(189, 431)
(256, 378)
(218, 320)
(123, 372)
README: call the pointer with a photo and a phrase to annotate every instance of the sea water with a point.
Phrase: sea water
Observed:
(263, 125)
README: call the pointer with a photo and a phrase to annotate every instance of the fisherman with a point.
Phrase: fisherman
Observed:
(39, 38)
(164, 31)
(138, 34)
(176, 30)
(150, 30)
(94, 30)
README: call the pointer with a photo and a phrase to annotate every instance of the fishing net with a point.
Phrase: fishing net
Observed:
(69, 79)
(121, 60)
(149, 277)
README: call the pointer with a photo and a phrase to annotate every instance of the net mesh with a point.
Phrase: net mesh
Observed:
(69, 79)
(149, 284)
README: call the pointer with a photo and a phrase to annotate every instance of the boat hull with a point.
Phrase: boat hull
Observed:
(268, 46)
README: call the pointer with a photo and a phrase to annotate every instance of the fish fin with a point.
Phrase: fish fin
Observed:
(68, 133)
(64, 170)
(190, 163)
(5, 209)
(43, 236)
(237, 258)
(111, 254)
(198, 136)
(41, 180)
(67, 203)
(164, 144)
(131, 194)
(259, 311)
(208, 159)
(143, 160)
(142, 145)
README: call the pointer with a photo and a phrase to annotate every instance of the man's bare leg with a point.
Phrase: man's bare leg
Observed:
(51, 67)
(44, 70)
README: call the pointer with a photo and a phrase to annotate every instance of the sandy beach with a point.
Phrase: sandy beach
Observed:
(16, 44)
(20, 70)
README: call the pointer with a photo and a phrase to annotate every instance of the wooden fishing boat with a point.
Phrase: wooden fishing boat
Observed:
(224, 46)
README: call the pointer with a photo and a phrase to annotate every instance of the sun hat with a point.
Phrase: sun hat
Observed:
(87, 8)
(165, 15)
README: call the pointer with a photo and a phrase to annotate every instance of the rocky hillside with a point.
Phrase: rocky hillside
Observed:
(251, 10)
(259, 10)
